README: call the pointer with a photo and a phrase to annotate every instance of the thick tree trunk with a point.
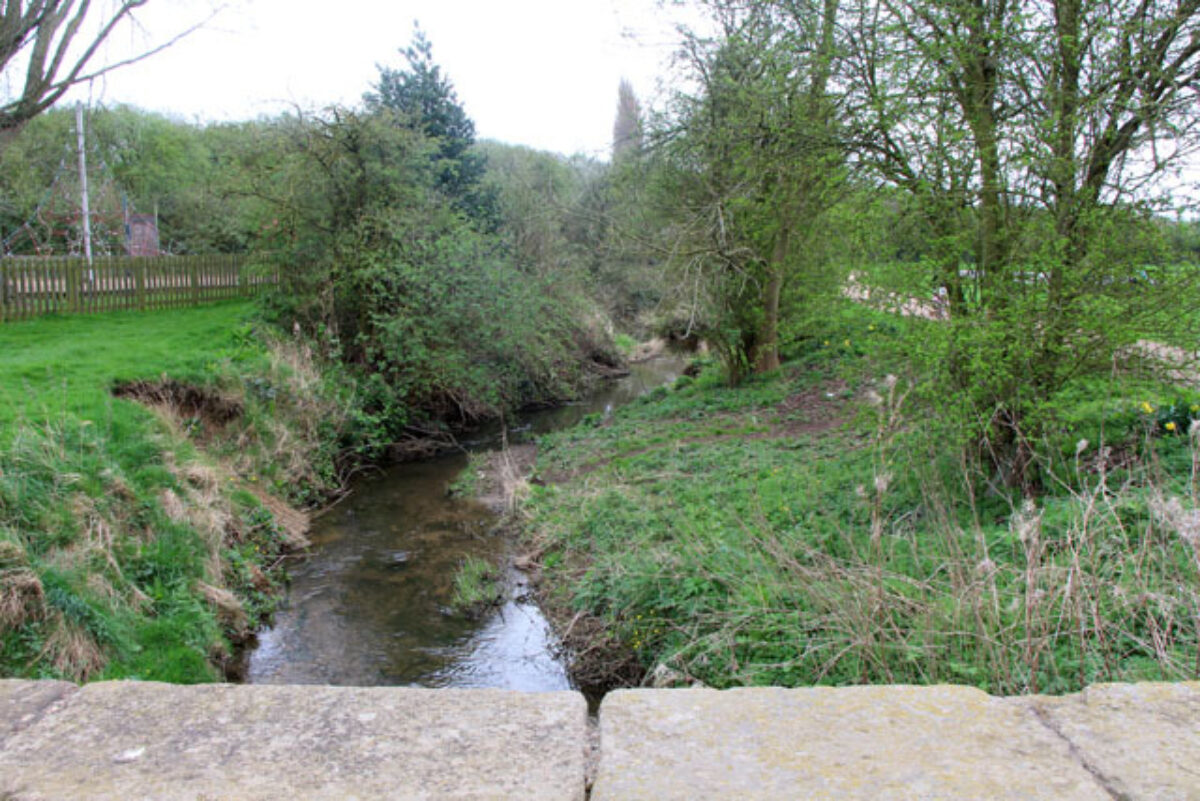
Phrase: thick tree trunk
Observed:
(992, 262)
(1064, 100)
(766, 356)
(979, 100)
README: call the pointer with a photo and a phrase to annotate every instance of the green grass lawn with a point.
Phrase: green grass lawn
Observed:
(67, 365)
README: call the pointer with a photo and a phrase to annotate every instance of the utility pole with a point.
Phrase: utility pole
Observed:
(83, 187)
(128, 228)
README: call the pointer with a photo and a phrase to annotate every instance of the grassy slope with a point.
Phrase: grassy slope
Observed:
(112, 528)
(787, 533)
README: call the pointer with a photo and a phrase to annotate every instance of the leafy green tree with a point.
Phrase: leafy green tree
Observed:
(423, 98)
(194, 177)
(627, 127)
(1032, 135)
(29, 162)
(434, 316)
(536, 193)
(748, 167)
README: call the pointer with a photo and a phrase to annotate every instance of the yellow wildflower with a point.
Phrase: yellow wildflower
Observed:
(1147, 408)
(1170, 427)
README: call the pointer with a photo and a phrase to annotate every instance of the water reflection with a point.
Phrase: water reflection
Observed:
(371, 605)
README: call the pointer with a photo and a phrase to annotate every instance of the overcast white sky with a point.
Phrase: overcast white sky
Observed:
(538, 72)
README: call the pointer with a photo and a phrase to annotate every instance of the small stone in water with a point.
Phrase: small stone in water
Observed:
(399, 557)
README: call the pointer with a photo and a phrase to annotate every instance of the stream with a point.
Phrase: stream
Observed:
(370, 605)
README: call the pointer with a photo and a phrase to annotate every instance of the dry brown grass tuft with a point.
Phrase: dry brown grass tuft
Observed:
(97, 543)
(117, 487)
(230, 612)
(291, 448)
(205, 508)
(504, 478)
(514, 482)
(12, 555)
(21, 597)
(201, 477)
(172, 506)
(292, 523)
(71, 651)
(100, 587)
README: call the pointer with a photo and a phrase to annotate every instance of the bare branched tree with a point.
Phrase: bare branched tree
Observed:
(48, 46)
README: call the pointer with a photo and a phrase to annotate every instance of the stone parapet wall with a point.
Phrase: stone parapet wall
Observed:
(130, 740)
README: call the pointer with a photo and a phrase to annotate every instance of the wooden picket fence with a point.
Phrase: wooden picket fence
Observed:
(30, 287)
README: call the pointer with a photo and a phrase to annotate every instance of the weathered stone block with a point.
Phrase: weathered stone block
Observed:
(22, 703)
(1142, 740)
(130, 740)
(846, 743)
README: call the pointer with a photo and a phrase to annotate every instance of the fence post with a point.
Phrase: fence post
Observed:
(3, 289)
(70, 274)
(194, 269)
(141, 284)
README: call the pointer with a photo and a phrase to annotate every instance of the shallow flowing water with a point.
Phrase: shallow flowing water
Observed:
(371, 605)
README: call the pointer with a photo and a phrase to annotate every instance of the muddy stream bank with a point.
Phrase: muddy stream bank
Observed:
(371, 605)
